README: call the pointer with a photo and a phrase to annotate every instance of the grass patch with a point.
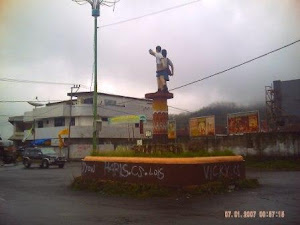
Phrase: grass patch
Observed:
(222, 186)
(131, 153)
(247, 183)
(119, 188)
(114, 188)
(273, 164)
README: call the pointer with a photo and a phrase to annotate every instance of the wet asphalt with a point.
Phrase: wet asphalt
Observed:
(42, 196)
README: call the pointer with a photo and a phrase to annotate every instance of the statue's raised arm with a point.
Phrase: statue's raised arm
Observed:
(151, 52)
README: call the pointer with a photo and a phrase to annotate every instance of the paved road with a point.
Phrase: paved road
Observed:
(41, 196)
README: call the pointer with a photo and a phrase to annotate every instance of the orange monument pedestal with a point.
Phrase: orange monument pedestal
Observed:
(160, 115)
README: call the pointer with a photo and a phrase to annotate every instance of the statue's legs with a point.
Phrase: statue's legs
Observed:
(161, 83)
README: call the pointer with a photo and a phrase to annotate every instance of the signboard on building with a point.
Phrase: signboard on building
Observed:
(148, 134)
(202, 126)
(126, 119)
(241, 123)
(139, 142)
(172, 129)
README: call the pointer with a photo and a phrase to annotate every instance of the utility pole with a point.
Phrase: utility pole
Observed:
(70, 120)
(35, 104)
(96, 13)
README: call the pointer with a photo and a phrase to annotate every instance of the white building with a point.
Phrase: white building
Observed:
(54, 117)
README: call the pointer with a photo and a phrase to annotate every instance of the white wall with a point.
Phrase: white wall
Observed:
(47, 112)
(107, 131)
(83, 114)
(84, 121)
(81, 150)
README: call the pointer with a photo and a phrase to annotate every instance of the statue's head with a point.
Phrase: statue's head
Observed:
(164, 53)
(158, 48)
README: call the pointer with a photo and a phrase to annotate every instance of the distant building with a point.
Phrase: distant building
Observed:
(48, 121)
(283, 105)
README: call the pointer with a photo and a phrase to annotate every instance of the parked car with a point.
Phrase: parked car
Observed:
(8, 153)
(20, 151)
(44, 157)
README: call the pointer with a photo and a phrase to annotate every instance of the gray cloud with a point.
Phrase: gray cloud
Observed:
(53, 41)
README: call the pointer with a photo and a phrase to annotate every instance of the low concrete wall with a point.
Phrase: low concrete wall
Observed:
(79, 151)
(260, 144)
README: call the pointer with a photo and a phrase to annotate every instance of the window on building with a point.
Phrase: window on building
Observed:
(47, 122)
(40, 124)
(20, 127)
(59, 122)
(137, 125)
(72, 121)
(110, 102)
(88, 101)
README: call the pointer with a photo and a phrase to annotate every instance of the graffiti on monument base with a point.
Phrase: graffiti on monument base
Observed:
(85, 168)
(215, 171)
(123, 170)
(166, 174)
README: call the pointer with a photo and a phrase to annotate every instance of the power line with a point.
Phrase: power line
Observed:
(57, 100)
(118, 111)
(179, 109)
(233, 67)
(150, 14)
(168, 106)
(114, 110)
(21, 101)
(37, 116)
(36, 82)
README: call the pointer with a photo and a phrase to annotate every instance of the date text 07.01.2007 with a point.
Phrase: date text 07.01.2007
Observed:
(254, 214)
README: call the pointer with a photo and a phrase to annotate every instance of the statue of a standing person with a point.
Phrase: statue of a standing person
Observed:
(166, 64)
(160, 68)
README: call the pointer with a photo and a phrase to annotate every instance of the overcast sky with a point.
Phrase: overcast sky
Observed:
(53, 41)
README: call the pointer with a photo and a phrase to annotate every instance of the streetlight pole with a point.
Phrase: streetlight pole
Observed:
(96, 13)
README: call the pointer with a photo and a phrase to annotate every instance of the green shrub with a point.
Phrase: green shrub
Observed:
(131, 153)
(273, 164)
(119, 188)
(152, 190)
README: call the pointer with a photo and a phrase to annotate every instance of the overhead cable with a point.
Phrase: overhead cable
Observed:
(179, 109)
(233, 67)
(35, 82)
(19, 101)
(150, 14)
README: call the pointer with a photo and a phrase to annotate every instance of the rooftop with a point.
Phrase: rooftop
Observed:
(16, 119)
(76, 94)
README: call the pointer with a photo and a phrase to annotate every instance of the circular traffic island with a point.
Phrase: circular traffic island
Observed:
(170, 172)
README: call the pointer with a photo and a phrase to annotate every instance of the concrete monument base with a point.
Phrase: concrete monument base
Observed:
(160, 115)
(164, 171)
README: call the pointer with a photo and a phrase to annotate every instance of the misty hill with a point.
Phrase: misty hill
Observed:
(220, 111)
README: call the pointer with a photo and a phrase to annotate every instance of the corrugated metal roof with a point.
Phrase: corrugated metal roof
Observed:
(106, 94)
